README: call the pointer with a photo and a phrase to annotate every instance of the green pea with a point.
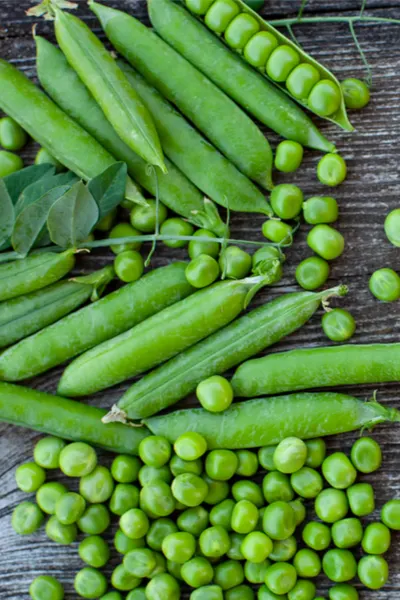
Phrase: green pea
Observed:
(331, 505)
(9, 163)
(312, 273)
(347, 533)
(176, 227)
(47, 452)
(332, 170)
(95, 520)
(69, 508)
(241, 592)
(266, 457)
(26, 518)
(302, 80)
(255, 572)
(134, 523)
(129, 266)
(123, 230)
(385, 285)
(123, 544)
(215, 394)
(366, 455)
(163, 586)
(156, 499)
(307, 482)
(256, 547)
(286, 200)
(125, 496)
(279, 521)
(299, 510)
(179, 547)
(48, 495)
(325, 98)
(46, 587)
(174, 569)
(144, 218)
(247, 463)
(248, 490)
(316, 536)
(159, 529)
(235, 551)
(217, 490)
(196, 248)
(316, 452)
(179, 466)
(94, 551)
(155, 451)
(194, 520)
(276, 486)
(259, 48)
(221, 465)
(214, 542)
(199, 7)
(228, 574)
(339, 565)
(98, 486)
(266, 258)
(290, 455)
(202, 271)
(338, 325)
(288, 156)
(208, 592)
(118, 596)
(140, 562)
(320, 209)
(45, 157)
(59, 533)
(281, 63)
(356, 93)
(240, 31)
(276, 231)
(303, 590)
(189, 489)
(235, 263)
(373, 572)
(343, 591)
(124, 581)
(326, 241)
(125, 469)
(197, 572)
(30, 477)
(307, 563)
(280, 578)
(150, 474)
(106, 223)
(161, 566)
(392, 227)
(377, 539)
(244, 517)
(221, 514)
(338, 471)
(284, 550)
(77, 459)
(190, 446)
(361, 499)
(220, 14)
(390, 514)
(265, 594)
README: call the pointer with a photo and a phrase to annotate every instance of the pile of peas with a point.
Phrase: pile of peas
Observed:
(196, 518)
(12, 139)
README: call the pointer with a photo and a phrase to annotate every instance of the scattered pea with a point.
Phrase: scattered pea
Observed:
(46, 587)
(373, 572)
(221, 465)
(144, 218)
(338, 325)
(179, 547)
(286, 200)
(190, 446)
(290, 455)
(123, 230)
(385, 285)
(26, 518)
(30, 477)
(377, 539)
(95, 520)
(366, 455)
(47, 452)
(307, 563)
(307, 482)
(320, 210)
(215, 394)
(361, 499)
(332, 170)
(331, 505)
(202, 271)
(129, 266)
(312, 273)
(356, 93)
(392, 227)
(48, 495)
(288, 156)
(339, 565)
(234, 262)
(391, 514)
(176, 227)
(317, 536)
(77, 459)
(9, 163)
(276, 486)
(196, 248)
(59, 533)
(347, 533)
(277, 231)
(283, 550)
(94, 551)
(281, 578)
(326, 241)
(125, 469)
(97, 486)
(69, 508)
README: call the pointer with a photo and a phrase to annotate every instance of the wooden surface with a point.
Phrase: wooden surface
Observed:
(371, 190)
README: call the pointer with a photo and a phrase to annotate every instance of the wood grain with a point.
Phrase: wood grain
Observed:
(371, 190)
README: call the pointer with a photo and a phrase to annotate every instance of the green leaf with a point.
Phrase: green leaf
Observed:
(36, 190)
(72, 217)
(17, 182)
(108, 188)
(7, 213)
(30, 224)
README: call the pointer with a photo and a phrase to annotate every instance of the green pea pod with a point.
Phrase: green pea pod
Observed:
(99, 72)
(227, 70)
(318, 367)
(213, 113)
(66, 419)
(267, 421)
(159, 338)
(64, 86)
(225, 349)
(340, 116)
(33, 273)
(198, 159)
(25, 315)
(93, 324)
(46, 123)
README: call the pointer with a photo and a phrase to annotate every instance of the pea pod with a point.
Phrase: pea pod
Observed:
(213, 113)
(52, 128)
(318, 367)
(33, 273)
(64, 86)
(227, 70)
(95, 323)
(201, 162)
(25, 315)
(159, 338)
(228, 347)
(267, 421)
(66, 419)
(261, 26)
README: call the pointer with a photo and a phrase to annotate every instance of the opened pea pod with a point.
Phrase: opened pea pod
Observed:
(276, 57)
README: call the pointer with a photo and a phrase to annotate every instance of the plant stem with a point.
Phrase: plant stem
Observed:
(310, 20)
